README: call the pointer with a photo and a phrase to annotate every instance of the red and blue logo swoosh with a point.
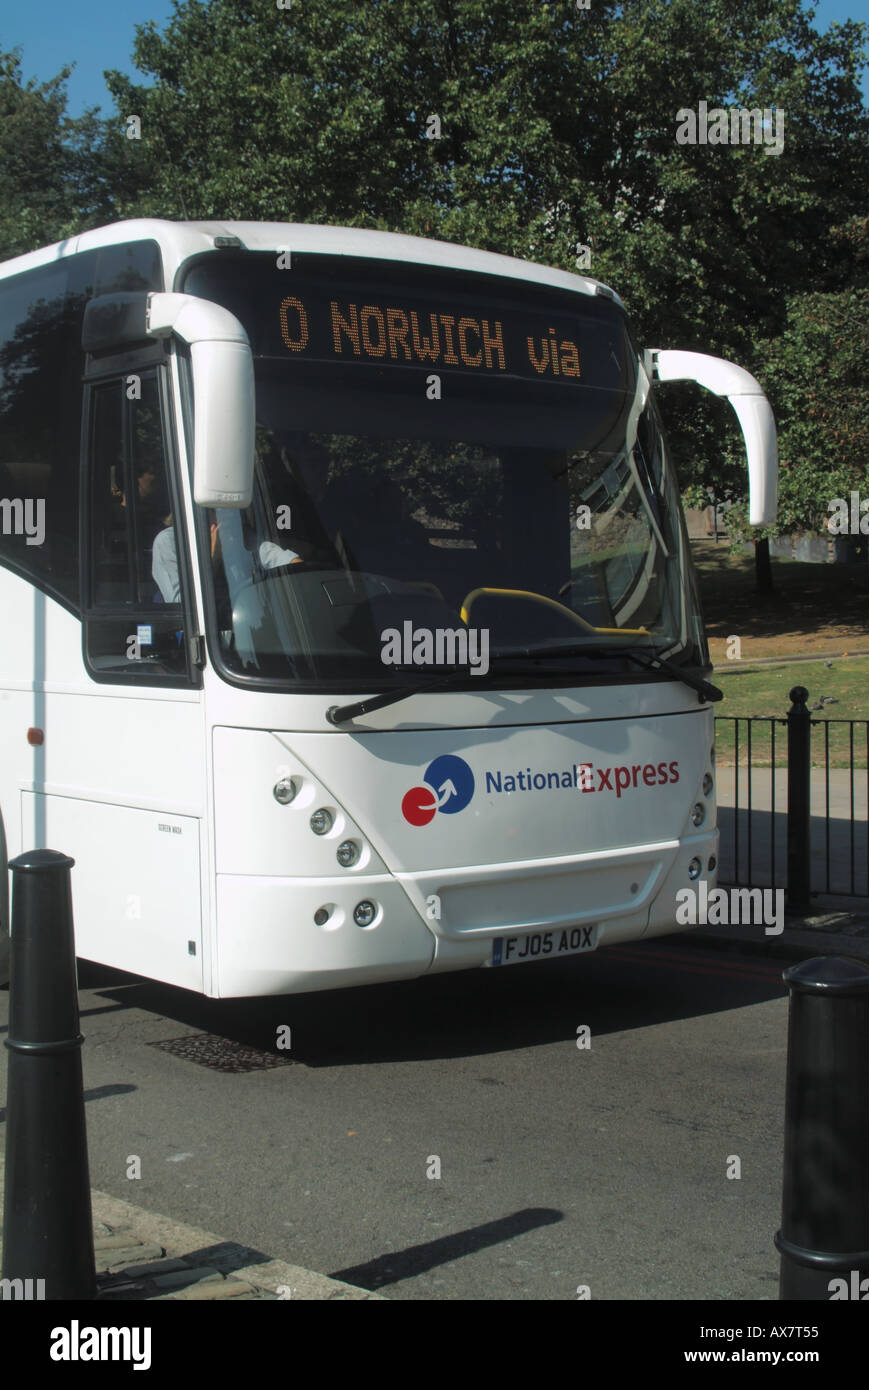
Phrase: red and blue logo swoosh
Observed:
(449, 787)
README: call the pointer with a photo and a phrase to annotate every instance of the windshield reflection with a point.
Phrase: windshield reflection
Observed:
(353, 535)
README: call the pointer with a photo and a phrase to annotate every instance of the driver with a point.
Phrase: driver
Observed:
(164, 566)
(271, 555)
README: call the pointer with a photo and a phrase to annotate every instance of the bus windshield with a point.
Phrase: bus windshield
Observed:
(440, 455)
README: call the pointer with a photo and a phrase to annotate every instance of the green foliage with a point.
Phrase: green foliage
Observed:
(818, 391)
(51, 182)
(33, 191)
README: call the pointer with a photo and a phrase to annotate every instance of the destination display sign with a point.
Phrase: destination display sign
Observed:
(298, 316)
(365, 329)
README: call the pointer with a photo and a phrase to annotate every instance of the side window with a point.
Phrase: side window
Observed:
(109, 548)
(156, 556)
(134, 620)
(41, 369)
(40, 393)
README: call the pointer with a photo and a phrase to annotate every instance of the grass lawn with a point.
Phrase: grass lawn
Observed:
(816, 610)
(764, 691)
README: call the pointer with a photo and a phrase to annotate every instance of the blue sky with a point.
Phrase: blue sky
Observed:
(98, 34)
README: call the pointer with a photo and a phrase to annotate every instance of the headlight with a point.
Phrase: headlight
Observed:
(284, 791)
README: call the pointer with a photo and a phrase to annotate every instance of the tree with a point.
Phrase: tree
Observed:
(816, 376)
(818, 367)
(552, 126)
(51, 183)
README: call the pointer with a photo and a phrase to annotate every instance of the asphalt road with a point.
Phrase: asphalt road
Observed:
(560, 1166)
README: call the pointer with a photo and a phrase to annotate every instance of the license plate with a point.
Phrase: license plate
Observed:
(543, 945)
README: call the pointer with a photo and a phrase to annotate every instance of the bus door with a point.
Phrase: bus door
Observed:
(123, 789)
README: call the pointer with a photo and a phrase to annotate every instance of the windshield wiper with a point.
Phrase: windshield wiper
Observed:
(703, 687)
(341, 714)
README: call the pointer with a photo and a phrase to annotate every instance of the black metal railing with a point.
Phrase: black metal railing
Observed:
(857, 840)
(794, 811)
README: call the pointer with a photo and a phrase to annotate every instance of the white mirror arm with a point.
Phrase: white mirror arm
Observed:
(752, 409)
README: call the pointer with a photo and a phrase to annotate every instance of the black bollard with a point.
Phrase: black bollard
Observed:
(824, 1234)
(5, 943)
(47, 1228)
(799, 802)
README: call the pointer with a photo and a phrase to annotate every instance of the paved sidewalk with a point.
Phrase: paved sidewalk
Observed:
(832, 648)
(754, 844)
(765, 782)
(141, 1256)
(829, 931)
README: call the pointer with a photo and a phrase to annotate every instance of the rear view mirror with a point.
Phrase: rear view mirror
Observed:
(753, 411)
(223, 395)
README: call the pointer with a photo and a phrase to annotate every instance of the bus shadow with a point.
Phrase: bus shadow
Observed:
(472, 1013)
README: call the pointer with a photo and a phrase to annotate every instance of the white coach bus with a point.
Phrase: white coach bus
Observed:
(349, 628)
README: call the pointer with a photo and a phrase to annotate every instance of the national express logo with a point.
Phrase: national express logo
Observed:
(449, 786)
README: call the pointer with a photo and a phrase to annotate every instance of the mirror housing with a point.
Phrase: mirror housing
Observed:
(113, 322)
(223, 394)
(753, 411)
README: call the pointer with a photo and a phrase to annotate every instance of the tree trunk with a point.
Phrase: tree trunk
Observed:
(762, 567)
